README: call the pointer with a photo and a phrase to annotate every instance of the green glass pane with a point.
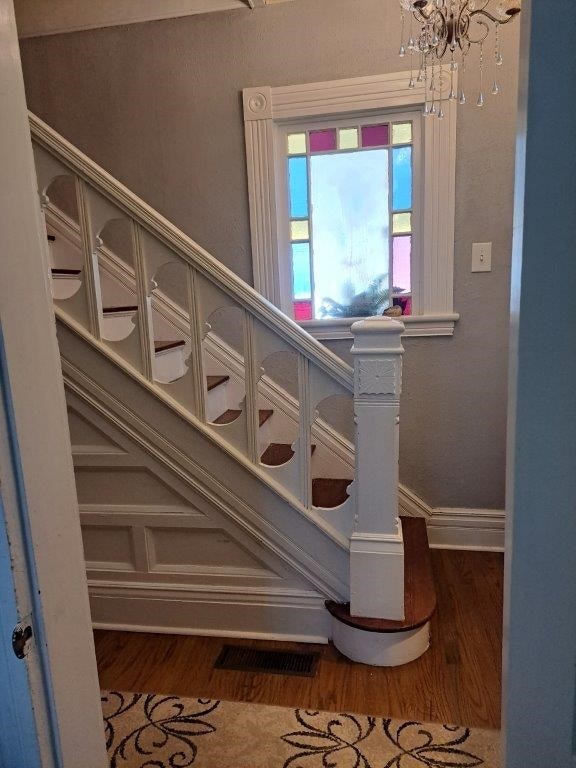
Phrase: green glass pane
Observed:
(297, 144)
(402, 133)
(301, 282)
(402, 223)
(348, 138)
(299, 230)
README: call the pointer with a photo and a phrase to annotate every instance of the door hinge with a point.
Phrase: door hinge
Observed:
(21, 640)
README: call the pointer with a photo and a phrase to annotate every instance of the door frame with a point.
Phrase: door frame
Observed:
(44, 529)
(540, 580)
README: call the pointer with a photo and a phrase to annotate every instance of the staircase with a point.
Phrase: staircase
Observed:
(308, 446)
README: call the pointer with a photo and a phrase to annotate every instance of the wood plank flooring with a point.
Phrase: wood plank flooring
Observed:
(457, 681)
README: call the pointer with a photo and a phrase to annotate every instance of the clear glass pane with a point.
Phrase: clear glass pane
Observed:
(402, 133)
(298, 183)
(401, 223)
(323, 141)
(348, 138)
(303, 310)
(350, 229)
(402, 178)
(301, 283)
(299, 230)
(375, 135)
(401, 252)
(297, 144)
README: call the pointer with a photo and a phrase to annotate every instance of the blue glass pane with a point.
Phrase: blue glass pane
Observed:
(298, 176)
(302, 287)
(402, 178)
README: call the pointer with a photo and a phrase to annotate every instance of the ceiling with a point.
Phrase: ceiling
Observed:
(50, 17)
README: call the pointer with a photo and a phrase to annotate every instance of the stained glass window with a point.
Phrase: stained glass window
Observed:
(351, 210)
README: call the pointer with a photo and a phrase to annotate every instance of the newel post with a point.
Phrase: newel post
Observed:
(376, 545)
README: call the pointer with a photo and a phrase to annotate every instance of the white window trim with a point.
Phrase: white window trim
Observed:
(266, 109)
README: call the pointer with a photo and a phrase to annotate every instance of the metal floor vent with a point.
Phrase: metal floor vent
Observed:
(246, 659)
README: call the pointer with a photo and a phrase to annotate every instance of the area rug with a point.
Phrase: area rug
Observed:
(146, 730)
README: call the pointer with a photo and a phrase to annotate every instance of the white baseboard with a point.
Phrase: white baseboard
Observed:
(481, 530)
(196, 614)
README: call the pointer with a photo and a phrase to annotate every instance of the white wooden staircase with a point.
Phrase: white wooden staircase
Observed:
(320, 489)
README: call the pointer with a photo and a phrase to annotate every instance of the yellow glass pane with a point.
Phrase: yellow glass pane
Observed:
(402, 133)
(348, 138)
(401, 223)
(297, 144)
(299, 230)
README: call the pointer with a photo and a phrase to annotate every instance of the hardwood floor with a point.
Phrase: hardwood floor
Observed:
(457, 681)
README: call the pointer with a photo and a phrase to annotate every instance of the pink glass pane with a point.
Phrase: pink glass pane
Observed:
(302, 310)
(401, 250)
(376, 135)
(323, 141)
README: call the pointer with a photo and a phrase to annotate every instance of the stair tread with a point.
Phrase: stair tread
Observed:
(329, 492)
(419, 590)
(61, 271)
(231, 415)
(277, 454)
(132, 308)
(216, 381)
(162, 346)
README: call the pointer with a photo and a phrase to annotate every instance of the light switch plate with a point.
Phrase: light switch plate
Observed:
(482, 257)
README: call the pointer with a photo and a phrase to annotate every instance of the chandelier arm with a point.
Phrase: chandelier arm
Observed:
(481, 39)
(496, 19)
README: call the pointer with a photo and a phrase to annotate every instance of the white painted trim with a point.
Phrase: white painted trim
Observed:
(51, 17)
(56, 155)
(216, 347)
(221, 613)
(479, 530)
(211, 488)
(415, 325)
(266, 109)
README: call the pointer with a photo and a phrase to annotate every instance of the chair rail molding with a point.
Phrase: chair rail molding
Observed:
(267, 109)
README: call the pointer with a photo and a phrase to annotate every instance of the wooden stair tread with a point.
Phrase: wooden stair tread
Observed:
(329, 492)
(216, 381)
(231, 415)
(277, 454)
(162, 346)
(419, 590)
(111, 310)
(59, 271)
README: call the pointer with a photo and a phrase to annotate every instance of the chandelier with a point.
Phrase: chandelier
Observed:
(438, 36)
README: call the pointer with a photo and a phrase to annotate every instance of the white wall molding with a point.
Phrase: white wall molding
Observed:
(191, 474)
(267, 109)
(456, 527)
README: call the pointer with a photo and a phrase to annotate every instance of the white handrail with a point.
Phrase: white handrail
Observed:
(191, 252)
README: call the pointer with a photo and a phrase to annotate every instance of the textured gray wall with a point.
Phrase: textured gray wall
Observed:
(158, 105)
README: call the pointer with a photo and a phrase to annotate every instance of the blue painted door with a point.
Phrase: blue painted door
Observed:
(18, 737)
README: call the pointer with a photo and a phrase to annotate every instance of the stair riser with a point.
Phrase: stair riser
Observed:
(118, 326)
(170, 365)
(65, 286)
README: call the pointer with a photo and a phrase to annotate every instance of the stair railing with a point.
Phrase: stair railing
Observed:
(367, 522)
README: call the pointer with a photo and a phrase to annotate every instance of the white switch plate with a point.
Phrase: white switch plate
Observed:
(482, 257)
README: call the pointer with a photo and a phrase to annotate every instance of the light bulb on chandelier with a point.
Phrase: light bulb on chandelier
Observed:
(438, 32)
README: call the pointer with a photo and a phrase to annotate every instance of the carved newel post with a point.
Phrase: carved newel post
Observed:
(376, 545)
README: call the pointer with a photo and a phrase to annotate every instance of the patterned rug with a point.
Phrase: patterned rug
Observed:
(146, 730)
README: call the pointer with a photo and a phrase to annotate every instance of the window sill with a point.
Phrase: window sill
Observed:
(416, 325)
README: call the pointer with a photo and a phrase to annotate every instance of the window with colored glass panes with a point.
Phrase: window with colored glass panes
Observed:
(350, 192)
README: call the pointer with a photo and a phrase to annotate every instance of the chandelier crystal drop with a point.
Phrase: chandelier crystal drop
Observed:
(437, 33)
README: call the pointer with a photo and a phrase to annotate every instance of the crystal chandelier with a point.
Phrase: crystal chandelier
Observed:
(437, 32)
